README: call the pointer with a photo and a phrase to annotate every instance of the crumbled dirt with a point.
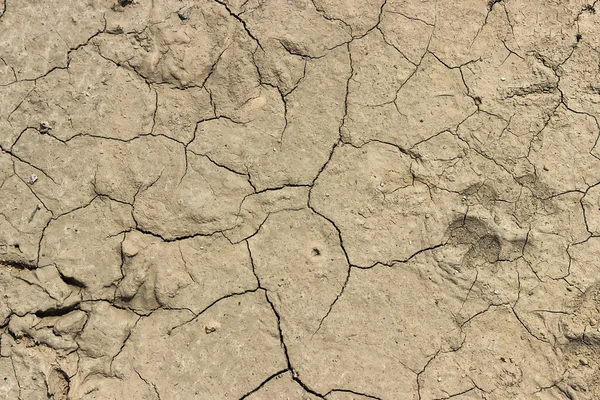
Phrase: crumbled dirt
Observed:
(299, 199)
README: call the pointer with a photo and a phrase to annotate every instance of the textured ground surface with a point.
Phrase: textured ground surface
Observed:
(296, 199)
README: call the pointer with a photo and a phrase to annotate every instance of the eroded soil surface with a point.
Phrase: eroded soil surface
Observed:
(299, 199)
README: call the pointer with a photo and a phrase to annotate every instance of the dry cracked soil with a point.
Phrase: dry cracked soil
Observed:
(299, 199)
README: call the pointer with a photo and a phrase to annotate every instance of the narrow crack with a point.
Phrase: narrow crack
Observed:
(152, 385)
(240, 20)
(352, 392)
(263, 383)
(334, 301)
(197, 315)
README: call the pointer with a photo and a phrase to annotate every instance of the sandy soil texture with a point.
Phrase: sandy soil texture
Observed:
(299, 199)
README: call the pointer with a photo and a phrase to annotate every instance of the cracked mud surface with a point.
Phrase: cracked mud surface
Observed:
(299, 199)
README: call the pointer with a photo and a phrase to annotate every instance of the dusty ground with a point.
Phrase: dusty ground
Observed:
(296, 199)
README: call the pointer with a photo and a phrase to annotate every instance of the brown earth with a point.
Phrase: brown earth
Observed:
(299, 199)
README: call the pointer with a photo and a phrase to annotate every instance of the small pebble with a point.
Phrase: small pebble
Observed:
(503, 79)
(184, 14)
(496, 291)
(598, 329)
(32, 179)
(439, 379)
(44, 127)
